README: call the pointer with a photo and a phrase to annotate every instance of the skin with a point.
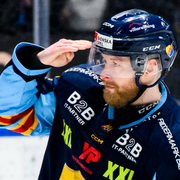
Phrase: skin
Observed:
(120, 87)
(118, 76)
(62, 52)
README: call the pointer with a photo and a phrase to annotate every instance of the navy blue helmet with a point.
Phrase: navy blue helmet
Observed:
(138, 34)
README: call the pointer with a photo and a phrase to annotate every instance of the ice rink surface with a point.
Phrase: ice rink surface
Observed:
(21, 157)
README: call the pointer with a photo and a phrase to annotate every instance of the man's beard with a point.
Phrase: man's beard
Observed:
(121, 96)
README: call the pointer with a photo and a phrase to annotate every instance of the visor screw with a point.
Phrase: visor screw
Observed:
(140, 62)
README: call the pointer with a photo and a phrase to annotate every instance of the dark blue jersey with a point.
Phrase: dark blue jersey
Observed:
(84, 141)
(144, 149)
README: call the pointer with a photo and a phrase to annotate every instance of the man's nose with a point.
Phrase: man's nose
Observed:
(105, 75)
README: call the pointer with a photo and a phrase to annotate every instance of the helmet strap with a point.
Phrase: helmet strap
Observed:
(141, 91)
(144, 87)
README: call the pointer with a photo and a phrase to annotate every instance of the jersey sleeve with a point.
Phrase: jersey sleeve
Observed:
(27, 103)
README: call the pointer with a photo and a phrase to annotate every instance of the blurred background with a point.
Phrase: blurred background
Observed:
(46, 21)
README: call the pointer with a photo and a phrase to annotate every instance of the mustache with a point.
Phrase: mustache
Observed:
(109, 83)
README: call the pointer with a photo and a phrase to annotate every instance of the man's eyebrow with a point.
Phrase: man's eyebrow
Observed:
(116, 58)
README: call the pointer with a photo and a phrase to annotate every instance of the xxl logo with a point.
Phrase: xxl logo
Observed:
(67, 134)
(130, 144)
(124, 173)
(81, 106)
(90, 154)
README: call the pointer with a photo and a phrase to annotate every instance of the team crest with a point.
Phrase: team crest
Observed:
(107, 128)
(169, 50)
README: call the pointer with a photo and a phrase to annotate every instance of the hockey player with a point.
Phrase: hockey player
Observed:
(112, 118)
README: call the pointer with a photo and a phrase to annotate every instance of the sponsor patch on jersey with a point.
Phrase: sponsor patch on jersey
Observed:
(128, 146)
(82, 166)
(171, 139)
(169, 50)
(113, 169)
(107, 127)
(87, 72)
(97, 139)
(103, 41)
(90, 154)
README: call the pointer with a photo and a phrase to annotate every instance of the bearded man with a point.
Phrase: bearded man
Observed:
(112, 118)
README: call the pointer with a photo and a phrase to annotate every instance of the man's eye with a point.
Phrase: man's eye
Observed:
(115, 64)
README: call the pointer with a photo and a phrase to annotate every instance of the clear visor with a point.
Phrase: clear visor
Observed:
(118, 64)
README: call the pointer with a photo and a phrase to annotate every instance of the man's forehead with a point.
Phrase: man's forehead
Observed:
(110, 57)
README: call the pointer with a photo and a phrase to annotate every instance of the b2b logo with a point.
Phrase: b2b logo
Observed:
(130, 144)
(81, 106)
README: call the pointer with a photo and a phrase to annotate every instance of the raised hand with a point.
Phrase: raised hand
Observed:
(62, 52)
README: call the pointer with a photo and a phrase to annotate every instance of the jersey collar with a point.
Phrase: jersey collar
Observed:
(161, 102)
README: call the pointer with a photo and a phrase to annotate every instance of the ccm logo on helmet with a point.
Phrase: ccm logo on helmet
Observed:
(151, 48)
(108, 24)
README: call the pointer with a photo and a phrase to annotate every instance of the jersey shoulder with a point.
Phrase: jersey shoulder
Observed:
(82, 74)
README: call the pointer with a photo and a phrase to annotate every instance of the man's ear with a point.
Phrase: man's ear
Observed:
(152, 67)
(150, 75)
